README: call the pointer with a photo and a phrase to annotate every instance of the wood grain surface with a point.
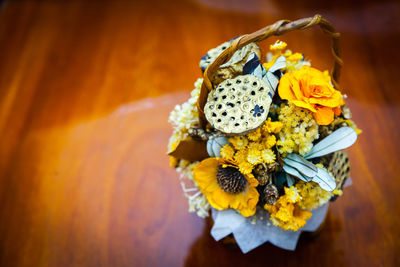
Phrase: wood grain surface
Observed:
(85, 92)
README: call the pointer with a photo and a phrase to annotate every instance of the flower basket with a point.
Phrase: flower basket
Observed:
(259, 144)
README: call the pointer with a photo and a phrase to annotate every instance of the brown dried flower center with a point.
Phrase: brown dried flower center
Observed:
(231, 180)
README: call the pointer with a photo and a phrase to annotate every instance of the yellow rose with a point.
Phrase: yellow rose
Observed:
(311, 89)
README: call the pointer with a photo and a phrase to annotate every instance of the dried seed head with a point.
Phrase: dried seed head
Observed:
(346, 112)
(339, 166)
(261, 174)
(271, 194)
(234, 66)
(231, 180)
(272, 166)
(198, 133)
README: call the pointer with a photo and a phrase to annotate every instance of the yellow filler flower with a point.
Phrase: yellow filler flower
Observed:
(286, 212)
(311, 89)
(226, 187)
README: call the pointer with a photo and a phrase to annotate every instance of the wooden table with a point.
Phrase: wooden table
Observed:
(85, 92)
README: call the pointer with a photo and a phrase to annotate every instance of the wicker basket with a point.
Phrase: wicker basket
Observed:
(336, 163)
(278, 28)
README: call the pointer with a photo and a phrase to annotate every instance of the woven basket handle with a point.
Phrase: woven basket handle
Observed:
(278, 28)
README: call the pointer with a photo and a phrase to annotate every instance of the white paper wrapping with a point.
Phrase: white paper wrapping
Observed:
(249, 234)
(254, 231)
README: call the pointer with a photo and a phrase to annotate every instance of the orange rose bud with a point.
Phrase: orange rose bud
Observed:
(311, 89)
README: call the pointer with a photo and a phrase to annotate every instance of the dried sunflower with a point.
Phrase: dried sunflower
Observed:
(226, 187)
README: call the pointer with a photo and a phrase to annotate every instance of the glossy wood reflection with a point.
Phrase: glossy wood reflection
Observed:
(85, 92)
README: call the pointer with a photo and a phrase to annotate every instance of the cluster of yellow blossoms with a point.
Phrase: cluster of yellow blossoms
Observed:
(300, 128)
(299, 131)
(253, 148)
(292, 210)
(312, 195)
(295, 130)
(294, 61)
(286, 213)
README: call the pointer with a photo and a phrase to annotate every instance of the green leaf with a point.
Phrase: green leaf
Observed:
(297, 166)
(289, 180)
(325, 180)
(294, 172)
(214, 146)
(301, 165)
(280, 63)
(338, 140)
(280, 179)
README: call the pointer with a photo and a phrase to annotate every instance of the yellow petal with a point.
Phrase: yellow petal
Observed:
(334, 101)
(285, 87)
(303, 104)
(220, 199)
(251, 179)
(205, 173)
(324, 115)
(337, 111)
(247, 202)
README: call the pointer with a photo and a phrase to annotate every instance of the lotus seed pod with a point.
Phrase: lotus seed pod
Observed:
(239, 105)
(234, 66)
(214, 146)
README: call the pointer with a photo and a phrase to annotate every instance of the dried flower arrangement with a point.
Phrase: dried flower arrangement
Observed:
(263, 137)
